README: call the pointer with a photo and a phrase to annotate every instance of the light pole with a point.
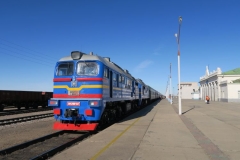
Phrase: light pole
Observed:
(170, 87)
(173, 93)
(178, 43)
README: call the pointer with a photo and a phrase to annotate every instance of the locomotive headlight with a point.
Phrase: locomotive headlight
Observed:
(93, 103)
(52, 103)
(76, 54)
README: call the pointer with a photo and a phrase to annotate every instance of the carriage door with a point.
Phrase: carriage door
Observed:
(111, 84)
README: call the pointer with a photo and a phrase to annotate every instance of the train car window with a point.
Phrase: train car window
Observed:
(87, 68)
(128, 83)
(123, 80)
(117, 76)
(114, 77)
(120, 79)
(106, 73)
(146, 90)
(65, 69)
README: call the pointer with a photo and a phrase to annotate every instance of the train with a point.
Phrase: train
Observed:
(90, 90)
(27, 99)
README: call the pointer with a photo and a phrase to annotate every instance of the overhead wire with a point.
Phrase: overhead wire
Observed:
(23, 52)
(32, 51)
(23, 58)
(32, 57)
(23, 55)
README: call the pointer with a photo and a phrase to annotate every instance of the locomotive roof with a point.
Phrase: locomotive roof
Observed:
(106, 61)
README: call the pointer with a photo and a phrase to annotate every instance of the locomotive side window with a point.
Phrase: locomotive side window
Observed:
(114, 77)
(87, 68)
(106, 72)
(120, 79)
(123, 80)
(65, 69)
(117, 80)
(128, 83)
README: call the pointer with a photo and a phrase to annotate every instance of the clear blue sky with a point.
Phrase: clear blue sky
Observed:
(138, 35)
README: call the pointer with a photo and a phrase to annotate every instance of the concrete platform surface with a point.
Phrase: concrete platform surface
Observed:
(158, 132)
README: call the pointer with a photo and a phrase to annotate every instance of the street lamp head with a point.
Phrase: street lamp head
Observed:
(176, 35)
(180, 19)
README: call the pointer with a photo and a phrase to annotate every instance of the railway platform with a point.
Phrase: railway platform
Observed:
(157, 132)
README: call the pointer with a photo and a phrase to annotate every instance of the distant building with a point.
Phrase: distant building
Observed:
(221, 86)
(196, 95)
(187, 89)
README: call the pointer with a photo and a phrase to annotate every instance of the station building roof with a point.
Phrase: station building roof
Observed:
(236, 81)
(232, 72)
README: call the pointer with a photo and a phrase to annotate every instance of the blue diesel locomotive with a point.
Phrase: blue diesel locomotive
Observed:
(90, 90)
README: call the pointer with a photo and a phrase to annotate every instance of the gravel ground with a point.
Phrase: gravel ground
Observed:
(22, 132)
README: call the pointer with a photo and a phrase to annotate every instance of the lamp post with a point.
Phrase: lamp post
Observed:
(173, 93)
(178, 43)
(170, 87)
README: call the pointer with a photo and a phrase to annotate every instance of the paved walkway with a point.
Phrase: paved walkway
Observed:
(202, 132)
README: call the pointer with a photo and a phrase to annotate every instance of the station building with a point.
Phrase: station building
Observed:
(221, 86)
(189, 90)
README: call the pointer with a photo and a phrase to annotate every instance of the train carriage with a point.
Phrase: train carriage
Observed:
(25, 99)
(89, 89)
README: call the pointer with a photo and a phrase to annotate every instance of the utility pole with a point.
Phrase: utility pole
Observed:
(179, 83)
(170, 85)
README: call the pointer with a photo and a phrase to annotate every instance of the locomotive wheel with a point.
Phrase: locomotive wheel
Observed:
(135, 106)
(119, 112)
(113, 115)
(104, 119)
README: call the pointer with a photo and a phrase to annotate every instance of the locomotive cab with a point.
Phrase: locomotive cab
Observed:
(77, 92)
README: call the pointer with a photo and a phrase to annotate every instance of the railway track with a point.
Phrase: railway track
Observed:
(24, 119)
(49, 145)
(43, 147)
(13, 112)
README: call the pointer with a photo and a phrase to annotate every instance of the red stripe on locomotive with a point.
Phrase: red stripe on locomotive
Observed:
(79, 96)
(69, 126)
(89, 79)
(62, 79)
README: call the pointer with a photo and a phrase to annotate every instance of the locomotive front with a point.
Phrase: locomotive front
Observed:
(77, 92)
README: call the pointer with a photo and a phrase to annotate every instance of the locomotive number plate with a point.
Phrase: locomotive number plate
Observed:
(73, 93)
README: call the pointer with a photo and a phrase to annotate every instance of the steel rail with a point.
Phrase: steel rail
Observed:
(13, 112)
(31, 142)
(24, 119)
(60, 148)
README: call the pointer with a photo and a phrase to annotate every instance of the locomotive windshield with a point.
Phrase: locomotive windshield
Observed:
(87, 68)
(65, 69)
